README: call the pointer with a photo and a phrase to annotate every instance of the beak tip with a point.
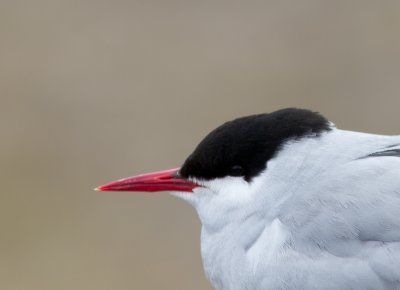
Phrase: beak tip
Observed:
(98, 188)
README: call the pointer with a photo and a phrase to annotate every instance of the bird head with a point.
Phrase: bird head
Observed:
(230, 166)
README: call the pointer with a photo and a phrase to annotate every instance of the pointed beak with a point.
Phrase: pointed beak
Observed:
(167, 180)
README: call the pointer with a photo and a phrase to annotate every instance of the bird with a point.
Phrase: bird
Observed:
(287, 200)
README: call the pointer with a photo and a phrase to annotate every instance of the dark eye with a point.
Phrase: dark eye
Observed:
(236, 170)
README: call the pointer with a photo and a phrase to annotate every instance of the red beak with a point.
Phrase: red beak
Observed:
(167, 180)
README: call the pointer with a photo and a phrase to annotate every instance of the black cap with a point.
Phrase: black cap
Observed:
(242, 147)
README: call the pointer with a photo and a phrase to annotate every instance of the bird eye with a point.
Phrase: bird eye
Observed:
(236, 170)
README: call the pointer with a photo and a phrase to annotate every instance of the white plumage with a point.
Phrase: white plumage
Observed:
(323, 215)
(287, 201)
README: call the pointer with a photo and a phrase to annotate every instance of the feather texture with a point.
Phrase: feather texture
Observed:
(324, 214)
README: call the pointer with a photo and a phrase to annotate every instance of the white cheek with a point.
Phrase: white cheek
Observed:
(228, 185)
(223, 193)
(229, 190)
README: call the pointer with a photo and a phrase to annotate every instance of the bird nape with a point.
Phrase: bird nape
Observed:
(288, 201)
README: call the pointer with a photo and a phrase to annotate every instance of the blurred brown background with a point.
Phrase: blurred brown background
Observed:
(96, 90)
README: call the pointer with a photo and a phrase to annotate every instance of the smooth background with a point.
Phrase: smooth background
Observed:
(96, 90)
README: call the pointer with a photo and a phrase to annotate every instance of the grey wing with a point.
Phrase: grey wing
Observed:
(355, 216)
(385, 153)
(384, 234)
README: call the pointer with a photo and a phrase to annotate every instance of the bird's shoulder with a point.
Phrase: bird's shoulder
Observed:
(363, 193)
(352, 213)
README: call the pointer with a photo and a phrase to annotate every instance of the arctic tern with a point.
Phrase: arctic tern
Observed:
(288, 201)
